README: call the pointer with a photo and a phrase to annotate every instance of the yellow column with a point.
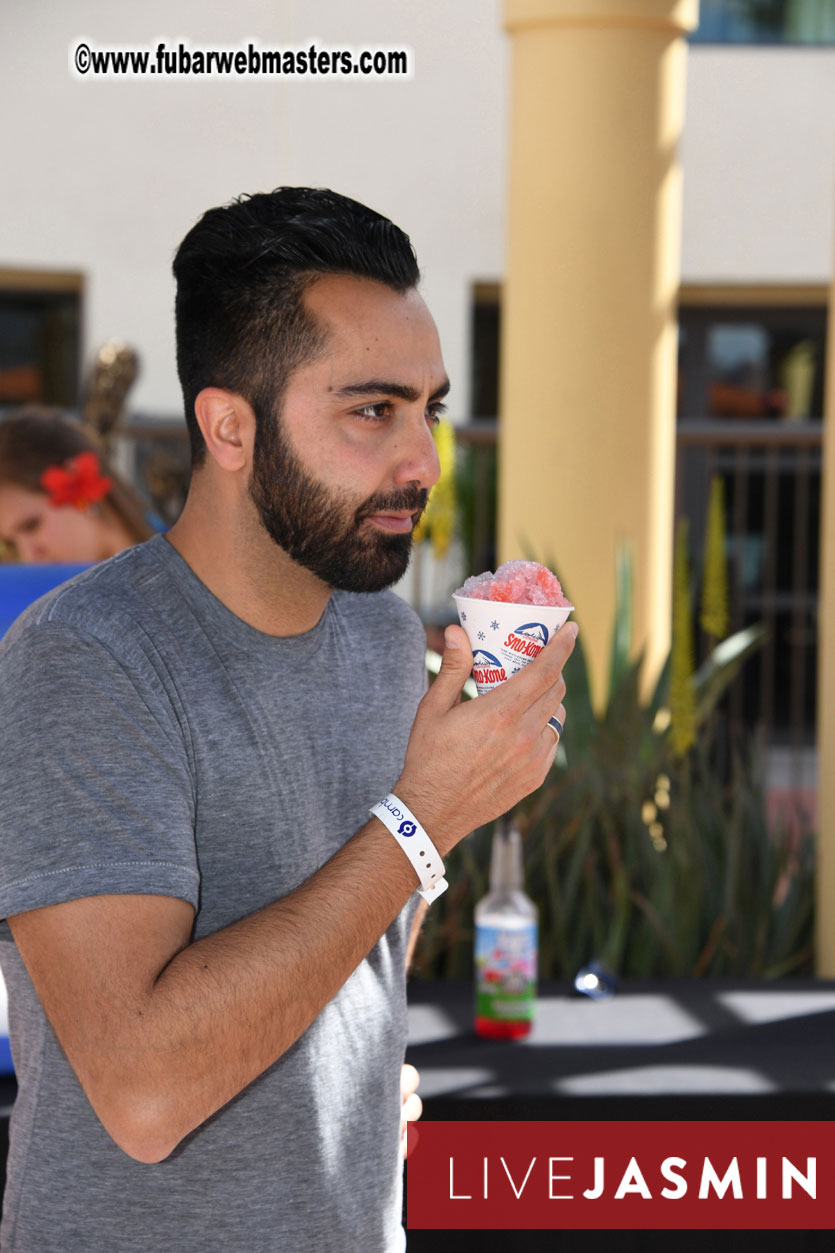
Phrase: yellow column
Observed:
(826, 677)
(589, 340)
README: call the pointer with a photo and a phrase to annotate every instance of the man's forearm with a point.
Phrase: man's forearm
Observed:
(164, 1057)
(231, 1003)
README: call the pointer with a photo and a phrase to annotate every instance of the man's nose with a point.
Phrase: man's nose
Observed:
(418, 460)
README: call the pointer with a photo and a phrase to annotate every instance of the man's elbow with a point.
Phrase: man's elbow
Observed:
(141, 1125)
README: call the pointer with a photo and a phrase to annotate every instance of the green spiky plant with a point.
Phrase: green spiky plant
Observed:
(713, 615)
(639, 853)
(682, 656)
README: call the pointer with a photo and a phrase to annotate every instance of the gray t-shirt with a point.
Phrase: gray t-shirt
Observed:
(153, 742)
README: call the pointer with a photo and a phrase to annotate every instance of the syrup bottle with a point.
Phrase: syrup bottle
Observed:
(505, 944)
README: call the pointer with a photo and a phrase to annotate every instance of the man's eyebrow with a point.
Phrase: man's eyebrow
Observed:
(384, 387)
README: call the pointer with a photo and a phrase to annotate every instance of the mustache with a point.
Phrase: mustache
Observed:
(411, 500)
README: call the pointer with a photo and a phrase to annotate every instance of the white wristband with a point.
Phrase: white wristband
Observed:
(415, 843)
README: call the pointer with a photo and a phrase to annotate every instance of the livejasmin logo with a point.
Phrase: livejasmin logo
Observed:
(552, 1176)
(606, 1174)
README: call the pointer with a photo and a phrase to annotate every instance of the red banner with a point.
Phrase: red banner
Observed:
(628, 1175)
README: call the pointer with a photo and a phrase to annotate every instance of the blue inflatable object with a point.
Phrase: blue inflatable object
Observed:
(21, 584)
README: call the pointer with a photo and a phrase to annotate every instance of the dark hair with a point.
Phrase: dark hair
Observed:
(241, 274)
(33, 438)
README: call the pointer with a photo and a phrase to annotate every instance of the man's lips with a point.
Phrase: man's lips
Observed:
(402, 521)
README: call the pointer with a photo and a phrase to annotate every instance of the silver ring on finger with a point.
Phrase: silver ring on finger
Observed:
(556, 726)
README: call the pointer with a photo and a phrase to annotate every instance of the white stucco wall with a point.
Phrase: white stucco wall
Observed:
(106, 176)
(759, 165)
(109, 174)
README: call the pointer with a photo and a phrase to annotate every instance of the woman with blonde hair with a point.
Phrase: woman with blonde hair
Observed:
(59, 501)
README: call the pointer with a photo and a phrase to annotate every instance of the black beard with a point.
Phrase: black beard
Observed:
(321, 529)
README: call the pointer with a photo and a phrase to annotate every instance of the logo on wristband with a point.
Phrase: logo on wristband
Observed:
(425, 858)
(408, 826)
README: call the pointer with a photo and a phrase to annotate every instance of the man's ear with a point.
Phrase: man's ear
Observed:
(227, 424)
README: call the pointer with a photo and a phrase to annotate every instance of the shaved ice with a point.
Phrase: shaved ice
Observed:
(517, 583)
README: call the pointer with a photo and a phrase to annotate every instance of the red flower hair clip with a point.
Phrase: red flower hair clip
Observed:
(79, 481)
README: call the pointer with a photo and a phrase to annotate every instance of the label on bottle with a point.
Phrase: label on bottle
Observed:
(505, 966)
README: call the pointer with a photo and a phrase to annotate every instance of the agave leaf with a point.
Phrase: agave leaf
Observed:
(723, 664)
(797, 905)
(661, 692)
(580, 857)
(682, 693)
(559, 934)
(779, 970)
(578, 701)
(622, 627)
(624, 697)
(663, 935)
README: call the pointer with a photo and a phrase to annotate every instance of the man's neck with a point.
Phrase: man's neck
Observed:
(247, 571)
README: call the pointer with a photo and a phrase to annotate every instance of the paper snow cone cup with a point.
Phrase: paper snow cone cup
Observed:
(506, 637)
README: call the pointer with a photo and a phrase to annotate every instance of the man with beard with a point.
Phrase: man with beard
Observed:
(207, 931)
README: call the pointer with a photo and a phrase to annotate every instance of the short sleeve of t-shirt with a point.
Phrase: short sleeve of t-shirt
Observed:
(97, 794)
